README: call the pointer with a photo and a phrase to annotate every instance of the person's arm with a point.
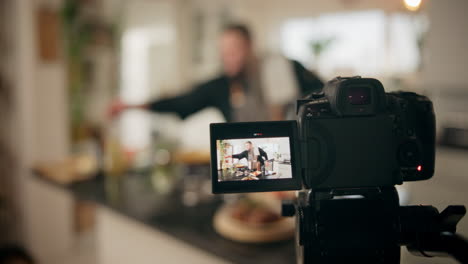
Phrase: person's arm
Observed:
(263, 153)
(241, 155)
(118, 106)
(183, 105)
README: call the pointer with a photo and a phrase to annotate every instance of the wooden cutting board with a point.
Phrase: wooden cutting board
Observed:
(237, 230)
(68, 170)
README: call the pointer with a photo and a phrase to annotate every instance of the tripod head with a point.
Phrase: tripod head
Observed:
(428, 233)
(369, 226)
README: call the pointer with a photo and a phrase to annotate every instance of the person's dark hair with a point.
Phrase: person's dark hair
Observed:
(239, 28)
(13, 253)
(249, 142)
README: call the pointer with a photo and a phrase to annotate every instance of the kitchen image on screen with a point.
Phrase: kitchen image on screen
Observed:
(253, 159)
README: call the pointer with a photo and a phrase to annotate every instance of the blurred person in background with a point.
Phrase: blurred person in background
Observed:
(250, 87)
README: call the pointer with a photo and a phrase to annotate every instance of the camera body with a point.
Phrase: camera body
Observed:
(348, 135)
(354, 135)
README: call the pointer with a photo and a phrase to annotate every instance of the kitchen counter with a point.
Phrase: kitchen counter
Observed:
(137, 201)
(135, 197)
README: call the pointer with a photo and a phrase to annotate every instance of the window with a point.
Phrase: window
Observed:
(368, 43)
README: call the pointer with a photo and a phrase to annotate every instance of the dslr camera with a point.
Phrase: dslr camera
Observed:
(351, 144)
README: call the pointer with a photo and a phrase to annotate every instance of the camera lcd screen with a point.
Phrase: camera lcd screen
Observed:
(254, 157)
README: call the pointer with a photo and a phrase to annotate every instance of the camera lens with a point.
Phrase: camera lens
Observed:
(359, 95)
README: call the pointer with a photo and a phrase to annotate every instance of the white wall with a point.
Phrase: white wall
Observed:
(41, 94)
(446, 53)
(41, 114)
(24, 101)
(445, 62)
(50, 112)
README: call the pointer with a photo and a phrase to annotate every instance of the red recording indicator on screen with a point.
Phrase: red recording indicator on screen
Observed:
(419, 168)
(258, 134)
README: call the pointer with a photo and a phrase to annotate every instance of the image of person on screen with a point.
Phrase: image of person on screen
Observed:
(253, 154)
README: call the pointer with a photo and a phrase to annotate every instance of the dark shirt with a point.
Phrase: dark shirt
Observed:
(215, 93)
(245, 155)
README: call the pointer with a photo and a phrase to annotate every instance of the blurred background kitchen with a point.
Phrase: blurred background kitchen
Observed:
(79, 187)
